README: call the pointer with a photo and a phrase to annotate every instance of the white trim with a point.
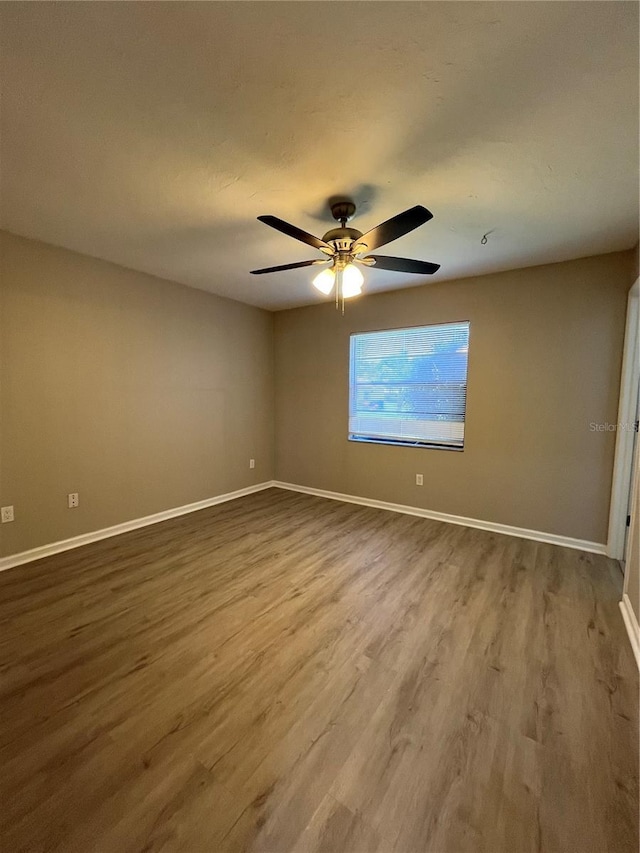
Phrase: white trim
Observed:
(493, 526)
(95, 535)
(629, 380)
(631, 624)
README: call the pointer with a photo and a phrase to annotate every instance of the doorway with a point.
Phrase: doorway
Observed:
(626, 434)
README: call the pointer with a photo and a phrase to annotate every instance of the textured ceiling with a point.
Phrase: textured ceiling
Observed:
(153, 134)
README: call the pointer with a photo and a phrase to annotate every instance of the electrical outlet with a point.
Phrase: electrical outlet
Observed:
(419, 480)
(72, 500)
(252, 463)
(7, 514)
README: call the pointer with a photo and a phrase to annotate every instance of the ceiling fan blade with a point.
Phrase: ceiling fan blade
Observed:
(297, 233)
(289, 266)
(385, 262)
(393, 228)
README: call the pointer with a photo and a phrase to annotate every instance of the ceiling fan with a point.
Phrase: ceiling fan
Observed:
(346, 247)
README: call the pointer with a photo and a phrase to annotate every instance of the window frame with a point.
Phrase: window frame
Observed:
(393, 442)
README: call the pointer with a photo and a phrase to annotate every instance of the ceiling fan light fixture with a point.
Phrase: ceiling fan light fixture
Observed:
(352, 280)
(324, 281)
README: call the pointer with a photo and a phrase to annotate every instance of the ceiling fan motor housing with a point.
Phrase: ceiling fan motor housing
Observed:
(342, 238)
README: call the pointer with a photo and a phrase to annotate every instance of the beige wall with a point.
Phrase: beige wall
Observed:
(143, 395)
(138, 393)
(544, 362)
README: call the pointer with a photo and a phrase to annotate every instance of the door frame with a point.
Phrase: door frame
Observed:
(627, 408)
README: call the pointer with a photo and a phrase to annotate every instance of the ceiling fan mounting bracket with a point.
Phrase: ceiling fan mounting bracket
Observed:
(343, 211)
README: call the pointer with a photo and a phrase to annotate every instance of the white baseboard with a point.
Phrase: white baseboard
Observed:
(492, 526)
(631, 624)
(95, 535)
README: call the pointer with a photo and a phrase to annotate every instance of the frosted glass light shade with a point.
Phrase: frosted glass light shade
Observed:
(324, 281)
(352, 280)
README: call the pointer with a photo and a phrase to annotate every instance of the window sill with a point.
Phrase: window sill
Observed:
(421, 444)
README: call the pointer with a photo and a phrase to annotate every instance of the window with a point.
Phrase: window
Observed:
(409, 386)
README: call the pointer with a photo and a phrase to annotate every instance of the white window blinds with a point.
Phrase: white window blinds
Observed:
(409, 386)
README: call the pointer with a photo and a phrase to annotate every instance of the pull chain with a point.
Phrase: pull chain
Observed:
(339, 291)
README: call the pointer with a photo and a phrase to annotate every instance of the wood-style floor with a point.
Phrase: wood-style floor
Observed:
(287, 673)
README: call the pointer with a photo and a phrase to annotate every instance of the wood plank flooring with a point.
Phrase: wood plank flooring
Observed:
(287, 673)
